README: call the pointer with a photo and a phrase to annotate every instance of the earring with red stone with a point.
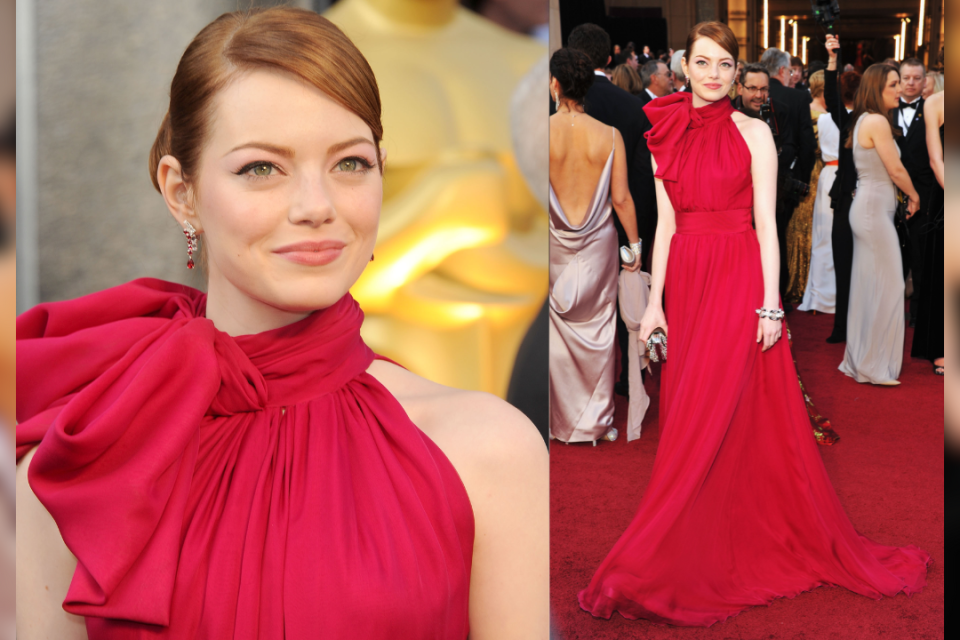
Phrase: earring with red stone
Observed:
(191, 235)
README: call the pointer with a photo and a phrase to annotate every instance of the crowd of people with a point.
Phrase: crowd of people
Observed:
(714, 185)
(850, 147)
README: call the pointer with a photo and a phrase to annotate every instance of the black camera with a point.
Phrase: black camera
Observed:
(826, 12)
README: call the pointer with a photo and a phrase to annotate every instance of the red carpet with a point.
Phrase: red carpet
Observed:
(887, 469)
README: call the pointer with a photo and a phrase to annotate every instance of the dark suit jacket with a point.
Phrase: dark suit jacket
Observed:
(846, 181)
(615, 107)
(797, 104)
(916, 158)
(644, 97)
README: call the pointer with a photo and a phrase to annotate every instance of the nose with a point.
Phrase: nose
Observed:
(311, 203)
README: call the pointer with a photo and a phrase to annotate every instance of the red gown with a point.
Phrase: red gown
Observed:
(739, 509)
(261, 486)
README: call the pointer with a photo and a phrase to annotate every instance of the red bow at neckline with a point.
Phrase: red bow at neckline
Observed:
(671, 116)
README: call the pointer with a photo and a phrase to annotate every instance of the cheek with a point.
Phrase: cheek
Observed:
(234, 220)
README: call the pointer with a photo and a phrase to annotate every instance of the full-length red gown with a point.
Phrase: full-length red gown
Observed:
(739, 509)
(252, 487)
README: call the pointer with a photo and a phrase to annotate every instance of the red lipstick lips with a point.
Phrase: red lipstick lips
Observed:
(312, 254)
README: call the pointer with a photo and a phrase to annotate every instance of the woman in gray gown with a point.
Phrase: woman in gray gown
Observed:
(588, 180)
(876, 317)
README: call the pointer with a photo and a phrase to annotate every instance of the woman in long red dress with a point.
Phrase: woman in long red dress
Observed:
(739, 509)
(239, 464)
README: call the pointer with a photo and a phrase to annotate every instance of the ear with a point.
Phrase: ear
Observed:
(177, 193)
(609, 58)
(683, 65)
(383, 157)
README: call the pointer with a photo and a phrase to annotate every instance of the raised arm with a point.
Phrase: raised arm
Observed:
(876, 129)
(831, 94)
(763, 168)
(654, 317)
(933, 115)
(620, 194)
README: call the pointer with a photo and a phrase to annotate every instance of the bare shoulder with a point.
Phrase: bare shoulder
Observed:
(934, 104)
(44, 569)
(755, 133)
(477, 431)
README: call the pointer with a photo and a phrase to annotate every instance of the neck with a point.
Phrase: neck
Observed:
(422, 13)
(237, 314)
(819, 103)
(700, 102)
(569, 106)
(910, 98)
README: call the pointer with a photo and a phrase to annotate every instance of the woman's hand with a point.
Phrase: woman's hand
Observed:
(913, 206)
(632, 267)
(768, 331)
(652, 318)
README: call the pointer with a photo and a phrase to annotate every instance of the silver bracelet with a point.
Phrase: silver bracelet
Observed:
(773, 314)
(635, 247)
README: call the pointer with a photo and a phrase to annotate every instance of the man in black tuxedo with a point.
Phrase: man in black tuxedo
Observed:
(797, 106)
(841, 196)
(615, 107)
(916, 160)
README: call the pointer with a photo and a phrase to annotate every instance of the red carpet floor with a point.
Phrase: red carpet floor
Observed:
(887, 469)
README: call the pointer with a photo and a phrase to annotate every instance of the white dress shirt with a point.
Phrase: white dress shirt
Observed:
(652, 95)
(907, 115)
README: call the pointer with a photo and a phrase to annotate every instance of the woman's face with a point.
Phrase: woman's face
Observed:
(711, 70)
(891, 91)
(287, 199)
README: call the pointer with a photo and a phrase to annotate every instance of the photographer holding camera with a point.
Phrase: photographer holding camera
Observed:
(753, 99)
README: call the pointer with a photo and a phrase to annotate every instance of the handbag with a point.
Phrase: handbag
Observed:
(657, 346)
(900, 220)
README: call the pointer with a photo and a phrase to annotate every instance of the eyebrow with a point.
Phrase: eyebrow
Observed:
(286, 152)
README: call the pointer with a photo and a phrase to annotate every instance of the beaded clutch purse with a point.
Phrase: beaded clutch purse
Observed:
(657, 346)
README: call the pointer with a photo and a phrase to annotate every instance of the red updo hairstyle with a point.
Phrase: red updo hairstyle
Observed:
(716, 31)
(287, 39)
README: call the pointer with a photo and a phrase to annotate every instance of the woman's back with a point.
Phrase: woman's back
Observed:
(870, 168)
(580, 148)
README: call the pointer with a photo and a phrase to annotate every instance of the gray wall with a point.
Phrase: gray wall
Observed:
(102, 72)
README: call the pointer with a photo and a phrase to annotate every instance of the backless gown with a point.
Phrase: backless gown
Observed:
(875, 316)
(739, 509)
(583, 299)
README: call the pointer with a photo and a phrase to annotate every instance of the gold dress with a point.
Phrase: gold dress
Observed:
(800, 229)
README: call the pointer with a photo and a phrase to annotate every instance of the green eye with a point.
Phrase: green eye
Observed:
(348, 164)
(263, 170)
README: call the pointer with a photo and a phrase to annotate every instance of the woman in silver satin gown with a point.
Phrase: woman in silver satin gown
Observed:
(875, 319)
(588, 180)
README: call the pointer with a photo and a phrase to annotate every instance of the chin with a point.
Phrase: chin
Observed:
(713, 96)
(307, 296)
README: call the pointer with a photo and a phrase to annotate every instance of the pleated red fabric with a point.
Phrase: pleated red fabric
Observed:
(263, 486)
(739, 509)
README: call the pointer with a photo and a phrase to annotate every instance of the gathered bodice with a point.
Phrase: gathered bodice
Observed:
(235, 487)
(704, 163)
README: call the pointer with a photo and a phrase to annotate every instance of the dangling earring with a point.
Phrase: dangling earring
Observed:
(688, 84)
(556, 99)
(191, 235)
(371, 257)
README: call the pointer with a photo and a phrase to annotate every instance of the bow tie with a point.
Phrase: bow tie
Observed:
(908, 105)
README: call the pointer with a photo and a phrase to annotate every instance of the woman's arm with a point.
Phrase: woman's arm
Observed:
(620, 194)
(933, 112)
(763, 168)
(654, 317)
(876, 128)
(44, 570)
